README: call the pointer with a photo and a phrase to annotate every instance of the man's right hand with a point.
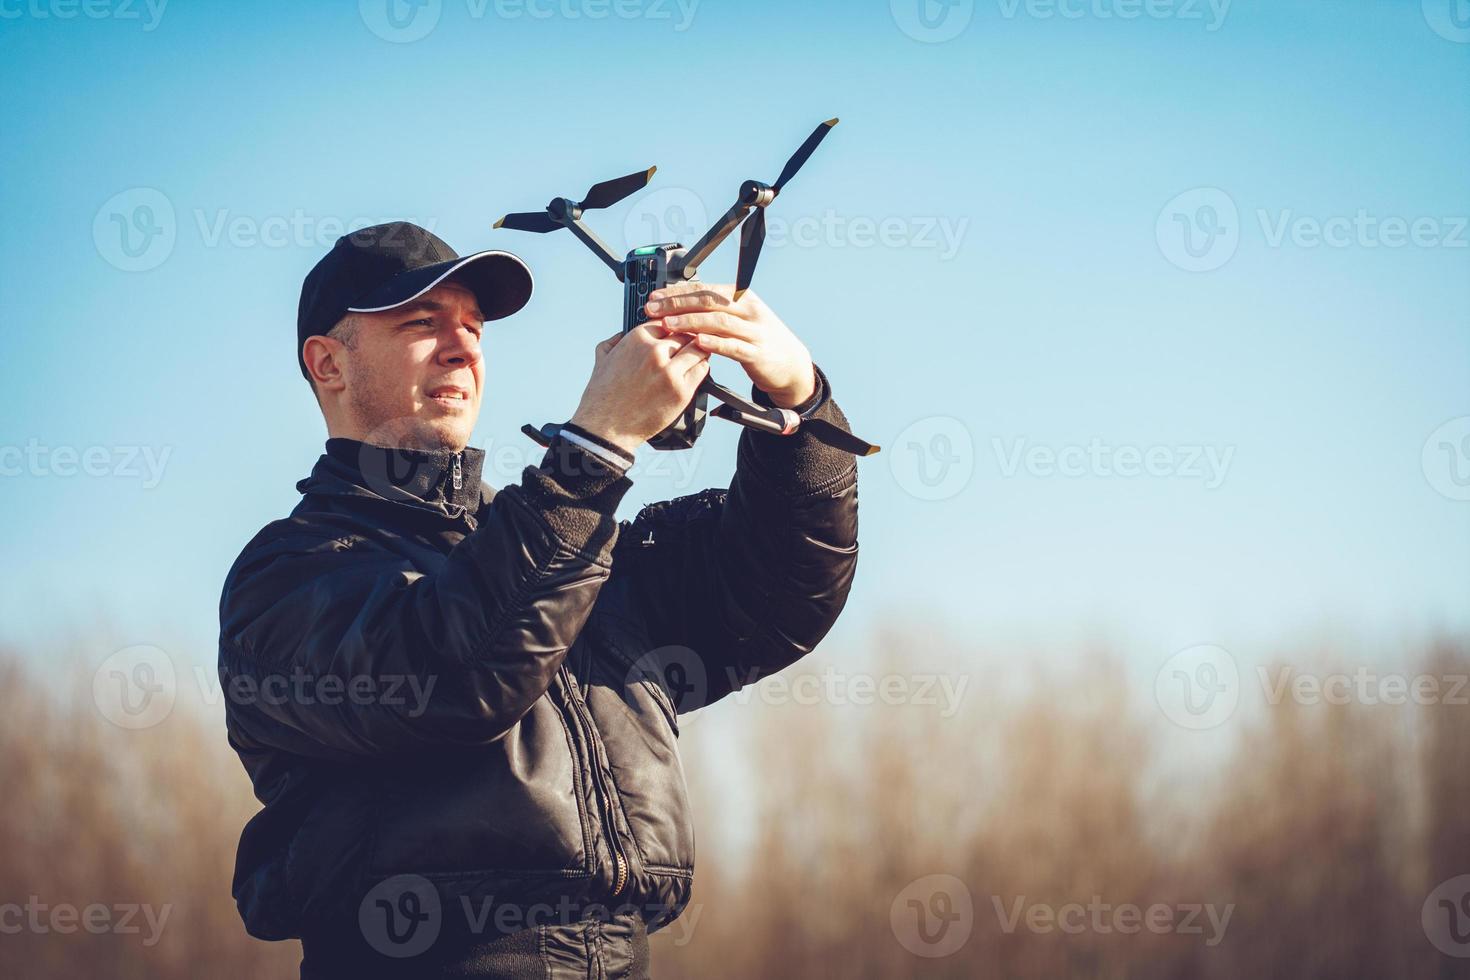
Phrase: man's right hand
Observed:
(641, 382)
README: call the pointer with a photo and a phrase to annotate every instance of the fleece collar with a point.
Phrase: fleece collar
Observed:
(444, 480)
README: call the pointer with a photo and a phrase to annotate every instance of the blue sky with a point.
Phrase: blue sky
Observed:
(1070, 238)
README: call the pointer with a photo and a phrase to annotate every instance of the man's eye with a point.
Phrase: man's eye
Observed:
(425, 321)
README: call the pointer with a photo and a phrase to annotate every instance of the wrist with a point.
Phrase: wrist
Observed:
(798, 394)
(602, 430)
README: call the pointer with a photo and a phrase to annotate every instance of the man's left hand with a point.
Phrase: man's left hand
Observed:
(745, 330)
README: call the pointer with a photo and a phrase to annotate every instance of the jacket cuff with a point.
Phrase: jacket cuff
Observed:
(578, 495)
(797, 464)
(610, 454)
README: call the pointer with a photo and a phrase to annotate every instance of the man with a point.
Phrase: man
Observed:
(460, 707)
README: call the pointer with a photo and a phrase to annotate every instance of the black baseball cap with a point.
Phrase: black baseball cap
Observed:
(384, 266)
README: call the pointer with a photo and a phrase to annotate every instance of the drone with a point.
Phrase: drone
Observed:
(650, 267)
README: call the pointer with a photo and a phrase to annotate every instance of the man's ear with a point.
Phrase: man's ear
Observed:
(324, 361)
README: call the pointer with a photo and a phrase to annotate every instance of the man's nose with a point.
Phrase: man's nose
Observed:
(460, 349)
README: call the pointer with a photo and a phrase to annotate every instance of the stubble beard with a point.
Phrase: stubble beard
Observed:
(373, 413)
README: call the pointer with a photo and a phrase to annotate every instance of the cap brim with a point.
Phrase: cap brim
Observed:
(500, 281)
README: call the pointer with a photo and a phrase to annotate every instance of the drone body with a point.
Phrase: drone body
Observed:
(644, 270)
(651, 267)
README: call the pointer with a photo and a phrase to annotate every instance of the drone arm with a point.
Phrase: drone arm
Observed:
(739, 409)
(784, 421)
(598, 246)
(686, 265)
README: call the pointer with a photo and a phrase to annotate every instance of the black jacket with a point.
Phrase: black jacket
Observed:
(434, 686)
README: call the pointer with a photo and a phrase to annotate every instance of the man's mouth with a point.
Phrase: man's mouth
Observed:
(450, 395)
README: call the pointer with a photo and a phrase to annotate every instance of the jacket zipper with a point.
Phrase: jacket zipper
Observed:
(599, 785)
(458, 476)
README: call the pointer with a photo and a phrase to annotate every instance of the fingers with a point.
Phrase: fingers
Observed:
(720, 324)
(686, 357)
(689, 297)
(680, 356)
(697, 371)
(654, 336)
(648, 331)
(736, 350)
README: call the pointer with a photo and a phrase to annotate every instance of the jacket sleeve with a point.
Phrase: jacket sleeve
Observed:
(737, 584)
(337, 648)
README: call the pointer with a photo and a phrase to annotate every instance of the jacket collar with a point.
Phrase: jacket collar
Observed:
(445, 481)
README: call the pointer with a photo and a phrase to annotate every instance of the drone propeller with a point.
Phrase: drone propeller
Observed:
(564, 213)
(600, 195)
(539, 222)
(752, 237)
(753, 231)
(609, 192)
(800, 156)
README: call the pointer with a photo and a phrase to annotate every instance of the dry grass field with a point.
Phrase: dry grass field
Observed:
(1307, 849)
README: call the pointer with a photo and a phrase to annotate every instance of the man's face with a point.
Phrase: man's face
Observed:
(414, 375)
